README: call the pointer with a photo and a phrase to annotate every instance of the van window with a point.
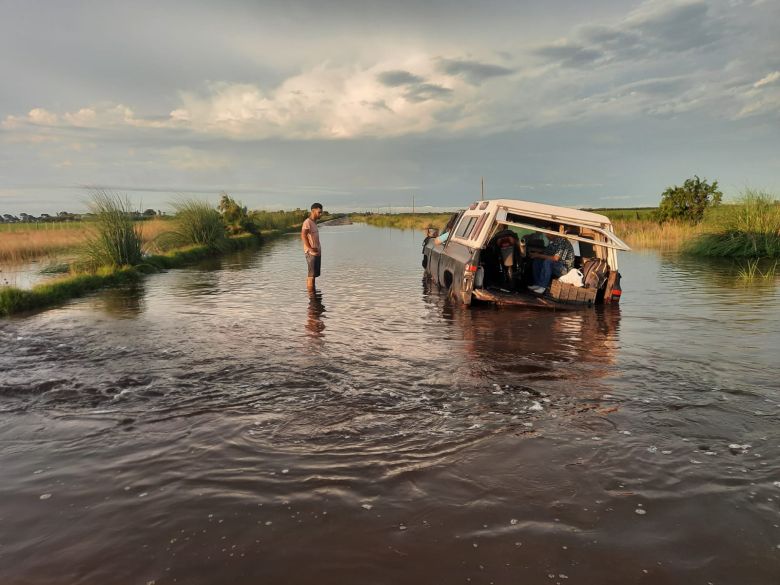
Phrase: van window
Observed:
(465, 226)
(478, 228)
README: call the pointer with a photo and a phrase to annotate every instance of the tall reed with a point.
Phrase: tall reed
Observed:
(748, 229)
(116, 240)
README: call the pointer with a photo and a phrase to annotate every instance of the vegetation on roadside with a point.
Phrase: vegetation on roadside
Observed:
(24, 242)
(115, 249)
(115, 239)
(748, 229)
(406, 221)
(235, 216)
(196, 223)
(279, 220)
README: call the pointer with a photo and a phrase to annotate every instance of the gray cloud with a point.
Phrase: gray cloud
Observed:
(422, 92)
(398, 78)
(657, 27)
(418, 90)
(678, 27)
(570, 55)
(472, 71)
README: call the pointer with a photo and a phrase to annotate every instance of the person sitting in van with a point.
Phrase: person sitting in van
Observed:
(555, 261)
(442, 238)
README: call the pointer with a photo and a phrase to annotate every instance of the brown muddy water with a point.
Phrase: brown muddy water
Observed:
(216, 425)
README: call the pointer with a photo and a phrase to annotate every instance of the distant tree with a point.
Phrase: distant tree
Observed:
(690, 201)
(66, 216)
(149, 213)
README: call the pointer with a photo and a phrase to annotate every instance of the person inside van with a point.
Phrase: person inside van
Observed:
(442, 237)
(555, 261)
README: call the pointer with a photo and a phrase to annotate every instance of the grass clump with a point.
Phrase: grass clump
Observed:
(196, 224)
(748, 229)
(115, 240)
(752, 271)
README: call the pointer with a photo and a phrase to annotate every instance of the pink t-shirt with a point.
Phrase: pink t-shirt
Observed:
(314, 237)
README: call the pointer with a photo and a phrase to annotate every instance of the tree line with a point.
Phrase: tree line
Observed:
(68, 216)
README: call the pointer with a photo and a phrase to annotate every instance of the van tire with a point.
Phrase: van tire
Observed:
(448, 280)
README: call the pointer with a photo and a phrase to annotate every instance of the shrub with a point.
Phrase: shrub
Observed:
(690, 201)
(116, 241)
(235, 216)
(196, 224)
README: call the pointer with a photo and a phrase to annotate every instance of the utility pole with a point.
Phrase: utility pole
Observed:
(482, 190)
(412, 204)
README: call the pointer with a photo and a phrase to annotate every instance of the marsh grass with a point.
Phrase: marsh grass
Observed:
(669, 235)
(115, 239)
(278, 220)
(196, 224)
(748, 229)
(27, 242)
(751, 271)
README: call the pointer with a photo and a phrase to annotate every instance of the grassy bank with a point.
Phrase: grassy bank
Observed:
(115, 249)
(14, 300)
(405, 221)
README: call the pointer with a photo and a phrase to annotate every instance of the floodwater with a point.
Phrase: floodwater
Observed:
(218, 425)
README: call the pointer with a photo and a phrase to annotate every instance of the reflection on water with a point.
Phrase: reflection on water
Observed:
(219, 424)
(314, 323)
(125, 302)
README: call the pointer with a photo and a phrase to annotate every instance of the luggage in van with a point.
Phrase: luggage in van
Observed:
(595, 273)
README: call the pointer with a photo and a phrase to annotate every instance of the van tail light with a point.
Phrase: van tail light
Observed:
(471, 268)
(617, 290)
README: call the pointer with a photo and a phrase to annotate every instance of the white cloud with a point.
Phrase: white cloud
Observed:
(768, 79)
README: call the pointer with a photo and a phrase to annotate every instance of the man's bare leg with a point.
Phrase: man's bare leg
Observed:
(310, 283)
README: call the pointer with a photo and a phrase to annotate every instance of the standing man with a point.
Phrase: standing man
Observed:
(311, 244)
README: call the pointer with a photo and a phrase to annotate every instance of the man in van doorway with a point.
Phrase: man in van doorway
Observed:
(311, 244)
(555, 261)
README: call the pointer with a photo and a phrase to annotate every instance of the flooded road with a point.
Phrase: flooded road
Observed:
(218, 425)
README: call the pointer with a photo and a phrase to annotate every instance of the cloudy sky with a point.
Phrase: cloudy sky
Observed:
(362, 104)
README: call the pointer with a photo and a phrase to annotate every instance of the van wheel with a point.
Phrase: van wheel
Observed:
(448, 280)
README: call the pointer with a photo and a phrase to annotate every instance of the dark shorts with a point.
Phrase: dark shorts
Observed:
(313, 263)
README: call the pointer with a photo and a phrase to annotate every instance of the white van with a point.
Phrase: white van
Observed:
(488, 254)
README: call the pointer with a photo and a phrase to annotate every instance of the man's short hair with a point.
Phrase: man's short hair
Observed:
(316, 206)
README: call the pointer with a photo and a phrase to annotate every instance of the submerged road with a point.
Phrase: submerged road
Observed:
(218, 425)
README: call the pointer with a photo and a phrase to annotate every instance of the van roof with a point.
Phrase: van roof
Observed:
(554, 212)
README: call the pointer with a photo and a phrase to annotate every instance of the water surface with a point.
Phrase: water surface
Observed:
(219, 425)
